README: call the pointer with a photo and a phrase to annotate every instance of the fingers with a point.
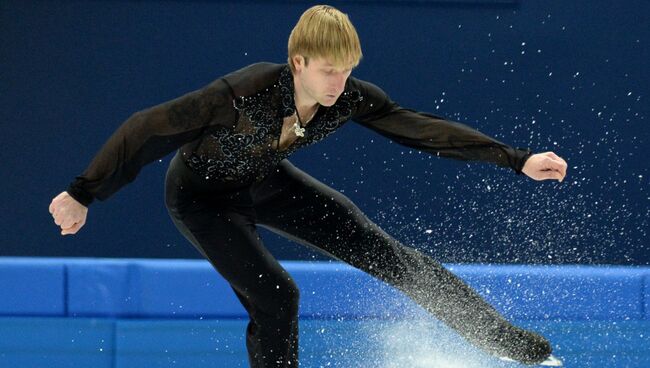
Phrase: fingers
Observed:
(72, 230)
(67, 223)
(552, 154)
(557, 170)
(551, 174)
(560, 160)
(554, 163)
(67, 213)
(60, 218)
(54, 205)
(63, 222)
(547, 175)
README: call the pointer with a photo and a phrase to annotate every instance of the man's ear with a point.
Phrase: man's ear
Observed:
(298, 62)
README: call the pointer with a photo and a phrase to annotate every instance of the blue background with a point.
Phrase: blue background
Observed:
(570, 77)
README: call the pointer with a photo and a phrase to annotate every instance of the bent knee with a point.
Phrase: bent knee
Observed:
(284, 298)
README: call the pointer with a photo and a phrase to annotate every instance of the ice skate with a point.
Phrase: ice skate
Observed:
(551, 361)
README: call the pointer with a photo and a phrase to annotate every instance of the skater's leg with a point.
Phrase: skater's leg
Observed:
(298, 206)
(222, 228)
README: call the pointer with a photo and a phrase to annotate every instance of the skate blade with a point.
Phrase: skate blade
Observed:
(551, 361)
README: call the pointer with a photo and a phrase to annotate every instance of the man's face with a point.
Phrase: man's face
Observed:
(321, 80)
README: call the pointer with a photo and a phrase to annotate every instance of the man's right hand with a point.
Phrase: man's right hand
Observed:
(69, 214)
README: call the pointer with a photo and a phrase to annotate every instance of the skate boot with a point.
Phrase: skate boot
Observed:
(527, 347)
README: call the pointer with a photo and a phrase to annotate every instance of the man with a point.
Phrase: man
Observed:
(231, 173)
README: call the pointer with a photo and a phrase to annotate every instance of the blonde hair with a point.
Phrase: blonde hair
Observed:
(325, 32)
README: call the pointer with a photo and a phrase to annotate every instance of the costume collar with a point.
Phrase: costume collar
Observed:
(287, 91)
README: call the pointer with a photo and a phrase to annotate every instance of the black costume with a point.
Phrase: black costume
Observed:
(230, 175)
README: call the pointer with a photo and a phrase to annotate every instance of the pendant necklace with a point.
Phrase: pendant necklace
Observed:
(297, 125)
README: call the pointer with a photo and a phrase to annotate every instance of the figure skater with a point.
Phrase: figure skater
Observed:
(231, 173)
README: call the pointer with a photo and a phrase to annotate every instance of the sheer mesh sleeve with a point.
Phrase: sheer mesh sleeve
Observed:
(151, 134)
(430, 133)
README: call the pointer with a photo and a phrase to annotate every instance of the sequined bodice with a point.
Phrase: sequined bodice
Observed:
(249, 151)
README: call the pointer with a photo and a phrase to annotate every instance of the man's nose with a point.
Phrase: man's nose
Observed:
(339, 83)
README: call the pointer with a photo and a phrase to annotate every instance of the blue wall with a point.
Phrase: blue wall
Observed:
(564, 76)
(189, 289)
(161, 313)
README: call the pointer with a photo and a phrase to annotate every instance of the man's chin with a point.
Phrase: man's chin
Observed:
(328, 100)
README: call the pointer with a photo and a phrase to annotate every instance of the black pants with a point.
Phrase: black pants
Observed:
(220, 221)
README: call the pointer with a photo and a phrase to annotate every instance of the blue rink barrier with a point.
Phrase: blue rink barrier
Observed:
(143, 288)
(74, 312)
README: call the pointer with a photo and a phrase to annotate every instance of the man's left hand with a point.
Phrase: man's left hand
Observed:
(547, 165)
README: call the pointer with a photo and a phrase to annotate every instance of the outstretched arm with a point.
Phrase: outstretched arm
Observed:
(144, 137)
(152, 134)
(441, 137)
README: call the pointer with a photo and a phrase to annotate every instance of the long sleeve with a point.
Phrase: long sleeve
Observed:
(151, 134)
(430, 133)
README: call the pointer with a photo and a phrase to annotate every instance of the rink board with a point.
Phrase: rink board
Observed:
(146, 288)
(142, 312)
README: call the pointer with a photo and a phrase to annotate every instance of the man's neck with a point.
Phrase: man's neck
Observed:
(304, 104)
